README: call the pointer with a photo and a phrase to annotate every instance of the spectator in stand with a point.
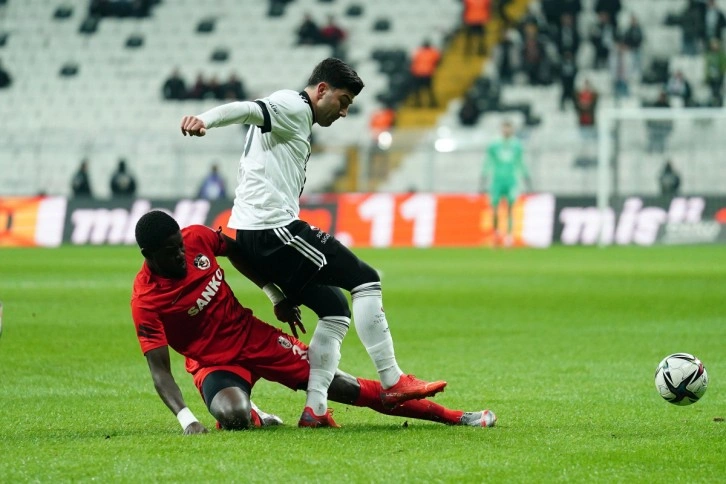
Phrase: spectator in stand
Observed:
(5, 79)
(199, 89)
(213, 186)
(80, 183)
(621, 70)
(424, 62)
(506, 50)
(611, 8)
(692, 27)
(534, 16)
(571, 7)
(568, 74)
(633, 38)
(567, 37)
(476, 15)
(174, 87)
(678, 86)
(215, 90)
(233, 89)
(714, 22)
(586, 104)
(382, 120)
(469, 112)
(669, 180)
(308, 33)
(553, 11)
(715, 63)
(659, 129)
(534, 55)
(333, 35)
(123, 184)
(602, 36)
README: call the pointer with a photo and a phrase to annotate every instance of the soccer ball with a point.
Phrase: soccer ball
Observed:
(681, 379)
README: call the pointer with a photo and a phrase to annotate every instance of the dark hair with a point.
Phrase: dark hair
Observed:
(338, 74)
(153, 228)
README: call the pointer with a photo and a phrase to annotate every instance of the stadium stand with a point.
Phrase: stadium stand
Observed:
(560, 161)
(112, 106)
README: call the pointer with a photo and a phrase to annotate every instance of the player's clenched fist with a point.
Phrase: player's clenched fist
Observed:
(193, 126)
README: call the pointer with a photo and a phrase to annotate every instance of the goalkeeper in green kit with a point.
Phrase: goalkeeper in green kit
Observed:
(503, 166)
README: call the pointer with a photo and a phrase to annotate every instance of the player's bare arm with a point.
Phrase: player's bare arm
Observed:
(160, 368)
(285, 311)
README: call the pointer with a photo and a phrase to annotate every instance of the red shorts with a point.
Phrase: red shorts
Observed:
(266, 353)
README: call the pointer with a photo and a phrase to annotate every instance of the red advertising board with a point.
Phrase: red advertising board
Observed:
(358, 220)
(31, 221)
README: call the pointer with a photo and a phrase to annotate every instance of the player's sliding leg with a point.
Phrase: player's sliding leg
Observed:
(365, 393)
(373, 331)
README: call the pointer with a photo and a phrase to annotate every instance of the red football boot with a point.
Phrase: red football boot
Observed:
(309, 419)
(409, 387)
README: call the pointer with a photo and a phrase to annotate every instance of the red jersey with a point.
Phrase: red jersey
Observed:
(198, 316)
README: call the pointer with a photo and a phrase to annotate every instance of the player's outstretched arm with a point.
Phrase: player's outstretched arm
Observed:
(168, 390)
(240, 112)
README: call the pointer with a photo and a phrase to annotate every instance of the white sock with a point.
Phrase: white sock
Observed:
(324, 356)
(372, 329)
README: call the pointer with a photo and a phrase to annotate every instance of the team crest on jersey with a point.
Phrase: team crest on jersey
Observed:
(201, 262)
(284, 342)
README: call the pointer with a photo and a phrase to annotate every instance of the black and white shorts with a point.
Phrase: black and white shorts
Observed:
(293, 255)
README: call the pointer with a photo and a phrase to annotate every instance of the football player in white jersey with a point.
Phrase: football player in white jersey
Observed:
(307, 264)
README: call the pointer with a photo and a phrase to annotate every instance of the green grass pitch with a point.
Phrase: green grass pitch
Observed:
(562, 344)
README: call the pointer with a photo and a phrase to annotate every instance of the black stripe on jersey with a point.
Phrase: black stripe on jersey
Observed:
(306, 98)
(267, 123)
(147, 331)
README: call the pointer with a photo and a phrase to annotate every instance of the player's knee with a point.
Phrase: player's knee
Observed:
(368, 274)
(233, 415)
(331, 302)
(234, 419)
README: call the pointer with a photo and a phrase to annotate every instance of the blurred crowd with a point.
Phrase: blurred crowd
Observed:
(176, 88)
(545, 47)
(122, 182)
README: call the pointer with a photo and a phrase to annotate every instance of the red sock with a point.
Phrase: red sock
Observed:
(370, 396)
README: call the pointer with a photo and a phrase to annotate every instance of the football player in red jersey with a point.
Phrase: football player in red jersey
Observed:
(182, 300)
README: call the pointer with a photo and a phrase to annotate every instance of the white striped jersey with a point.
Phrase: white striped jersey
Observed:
(271, 173)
